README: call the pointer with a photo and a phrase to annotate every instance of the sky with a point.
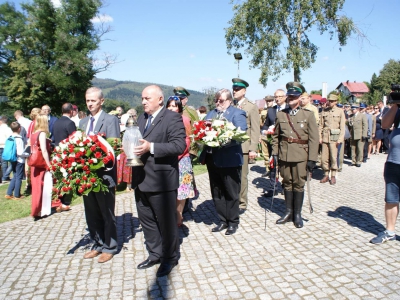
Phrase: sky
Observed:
(182, 42)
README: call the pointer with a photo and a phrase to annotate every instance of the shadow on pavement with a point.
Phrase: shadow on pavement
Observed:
(258, 169)
(204, 213)
(357, 218)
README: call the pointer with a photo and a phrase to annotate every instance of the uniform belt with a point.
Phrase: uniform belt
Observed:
(295, 141)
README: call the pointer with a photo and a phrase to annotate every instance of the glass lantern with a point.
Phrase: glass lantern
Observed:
(130, 140)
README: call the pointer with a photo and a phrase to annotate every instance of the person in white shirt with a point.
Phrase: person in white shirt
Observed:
(18, 167)
(24, 122)
(75, 116)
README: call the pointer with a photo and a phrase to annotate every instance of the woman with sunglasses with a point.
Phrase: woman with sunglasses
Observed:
(377, 140)
(186, 188)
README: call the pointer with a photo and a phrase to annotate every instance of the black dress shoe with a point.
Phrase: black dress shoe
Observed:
(219, 228)
(231, 230)
(165, 268)
(147, 264)
(358, 165)
(242, 211)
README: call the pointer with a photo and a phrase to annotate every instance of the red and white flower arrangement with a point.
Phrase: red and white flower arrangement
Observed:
(269, 133)
(75, 161)
(217, 133)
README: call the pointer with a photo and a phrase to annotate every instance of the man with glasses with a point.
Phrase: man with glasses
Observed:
(296, 141)
(250, 146)
(331, 131)
(358, 126)
(224, 165)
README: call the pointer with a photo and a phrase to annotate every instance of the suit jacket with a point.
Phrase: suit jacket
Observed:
(253, 126)
(160, 171)
(109, 126)
(271, 116)
(306, 126)
(63, 128)
(52, 120)
(230, 155)
(358, 126)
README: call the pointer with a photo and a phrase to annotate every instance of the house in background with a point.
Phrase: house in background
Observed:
(353, 91)
(316, 97)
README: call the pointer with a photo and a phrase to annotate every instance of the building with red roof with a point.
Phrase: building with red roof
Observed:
(353, 90)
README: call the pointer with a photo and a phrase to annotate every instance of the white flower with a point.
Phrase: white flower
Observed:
(72, 155)
(74, 164)
(230, 126)
(218, 123)
(82, 149)
(210, 135)
(212, 144)
(94, 160)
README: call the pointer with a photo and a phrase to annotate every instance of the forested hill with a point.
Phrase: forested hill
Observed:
(131, 91)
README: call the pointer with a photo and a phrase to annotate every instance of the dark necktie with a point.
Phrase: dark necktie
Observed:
(91, 125)
(148, 123)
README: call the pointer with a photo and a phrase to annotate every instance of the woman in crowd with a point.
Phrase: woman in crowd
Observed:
(186, 188)
(377, 140)
(40, 133)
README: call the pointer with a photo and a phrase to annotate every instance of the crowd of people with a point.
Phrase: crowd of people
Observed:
(295, 135)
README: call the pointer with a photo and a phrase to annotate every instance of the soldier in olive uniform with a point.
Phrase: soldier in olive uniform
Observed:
(358, 126)
(265, 145)
(250, 146)
(183, 95)
(296, 141)
(331, 136)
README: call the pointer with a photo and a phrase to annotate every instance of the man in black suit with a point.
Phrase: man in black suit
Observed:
(156, 183)
(100, 206)
(63, 128)
(47, 111)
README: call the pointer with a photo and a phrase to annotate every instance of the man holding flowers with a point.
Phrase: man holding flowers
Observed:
(224, 164)
(100, 206)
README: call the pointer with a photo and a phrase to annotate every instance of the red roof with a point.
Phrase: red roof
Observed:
(316, 97)
(355, 87)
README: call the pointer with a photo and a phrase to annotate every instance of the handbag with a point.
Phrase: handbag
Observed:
(36, 158)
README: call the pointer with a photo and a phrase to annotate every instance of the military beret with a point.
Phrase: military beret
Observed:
(363, 105)
(333, 97)
(323, 100)
(297, 85)
(339, 105)
(181, 92)
(239, 83)
(269, 98)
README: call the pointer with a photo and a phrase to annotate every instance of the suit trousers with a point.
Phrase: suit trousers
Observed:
(157, 215)
(244, 182)
(100, 218)
(294, 175)
(225, 188)
(357, 148)
(365, 150)
(341, 155)
(329, 158)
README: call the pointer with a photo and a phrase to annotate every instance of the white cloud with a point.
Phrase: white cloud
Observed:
(56, 3)
(325, 58)
(192, 56)
(219, 80)
(102, 19)
(343, 68)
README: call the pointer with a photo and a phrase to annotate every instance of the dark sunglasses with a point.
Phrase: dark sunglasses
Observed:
(176, 98)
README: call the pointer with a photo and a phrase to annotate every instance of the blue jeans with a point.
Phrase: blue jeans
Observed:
(392, 182)
(5, 167)
(16, 181)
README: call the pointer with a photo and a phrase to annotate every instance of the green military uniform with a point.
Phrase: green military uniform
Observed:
(295, 141)
(331, 131)
(253, 131)
(358, 126)
(264, 140)
(190, 113)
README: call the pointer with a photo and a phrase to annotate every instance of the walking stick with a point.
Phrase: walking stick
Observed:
(273, 174)
(309, 192)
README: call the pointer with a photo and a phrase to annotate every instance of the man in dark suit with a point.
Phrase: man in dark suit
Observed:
(63, 128)
(100, 206)
(47, 110)
(224, 165)
(156, 183)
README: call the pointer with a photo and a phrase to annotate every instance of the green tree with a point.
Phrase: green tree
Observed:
(54, 60)
(316, 92)
(111, 104)
(275, 33)
(210, 97)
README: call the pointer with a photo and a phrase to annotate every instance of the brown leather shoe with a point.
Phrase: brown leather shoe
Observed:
(104, 257)
(333, 180)
(325, 179)
(91, 254)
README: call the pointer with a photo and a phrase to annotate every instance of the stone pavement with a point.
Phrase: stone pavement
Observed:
(329, 258)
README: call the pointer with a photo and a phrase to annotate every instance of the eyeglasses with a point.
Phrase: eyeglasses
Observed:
(219, 100)
(176, 98)
(376, 107)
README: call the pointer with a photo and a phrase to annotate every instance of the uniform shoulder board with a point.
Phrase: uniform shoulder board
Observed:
(306, 109)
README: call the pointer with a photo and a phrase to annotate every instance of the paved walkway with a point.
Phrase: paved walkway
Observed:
(330, 258)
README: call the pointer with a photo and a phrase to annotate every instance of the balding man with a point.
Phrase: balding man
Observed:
(47, 111)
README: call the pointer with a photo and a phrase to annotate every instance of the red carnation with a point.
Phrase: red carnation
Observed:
(93, 148)
(97, 154)
(93, 180)
(77, 181)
